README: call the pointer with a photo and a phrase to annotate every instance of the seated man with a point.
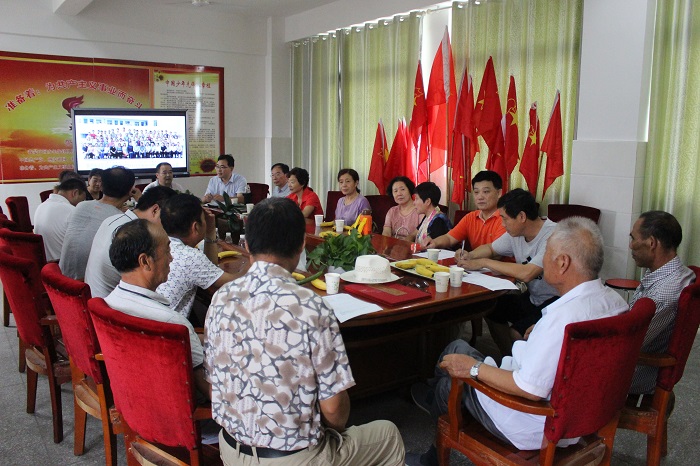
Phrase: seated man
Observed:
(164, 177)
(51, 217)
(140, 251)
(187, 223)
(277, 362)
(526, 239)
(481, 226)
(86, 218)
(100, 274)
(280, 187)
(225, 181)
(572, 261)
(654, 239)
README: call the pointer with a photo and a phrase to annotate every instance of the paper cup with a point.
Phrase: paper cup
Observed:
(456, 274)
(339, 225)
(249, 207)
(332, 283)
(318, 219)
(442, 281)
(433, 254)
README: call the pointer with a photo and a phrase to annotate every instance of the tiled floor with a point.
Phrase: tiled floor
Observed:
(26, 439)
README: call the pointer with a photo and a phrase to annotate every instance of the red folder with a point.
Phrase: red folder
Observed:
(390, 294)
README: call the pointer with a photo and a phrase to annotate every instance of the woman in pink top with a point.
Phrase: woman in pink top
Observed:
(402, 220)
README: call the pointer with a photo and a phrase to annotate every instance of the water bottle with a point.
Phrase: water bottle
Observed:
(241, 241)
(228, 238)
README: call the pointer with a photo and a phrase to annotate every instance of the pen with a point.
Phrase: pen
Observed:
(461, 254)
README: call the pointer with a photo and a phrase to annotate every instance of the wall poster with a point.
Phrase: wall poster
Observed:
(37, 93)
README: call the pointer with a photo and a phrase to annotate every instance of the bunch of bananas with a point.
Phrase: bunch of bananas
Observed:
(324, 234)
(424, 267)
(316, 282)
(329, 223)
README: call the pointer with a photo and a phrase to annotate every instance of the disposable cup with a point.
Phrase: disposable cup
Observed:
(456, 274)
(339, 225)
(442, 281)
(318, 219)
(332, 282)
(433, 254)
(249, 207)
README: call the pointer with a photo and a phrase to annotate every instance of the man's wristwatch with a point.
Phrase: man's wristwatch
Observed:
(474, 371)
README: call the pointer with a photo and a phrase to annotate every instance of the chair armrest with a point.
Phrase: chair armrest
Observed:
(99, 357)
(199, 330)
(518, 403)
(202, 413)
(656, 359)
(49, 321)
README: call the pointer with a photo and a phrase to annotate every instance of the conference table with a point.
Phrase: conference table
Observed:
(399, 344)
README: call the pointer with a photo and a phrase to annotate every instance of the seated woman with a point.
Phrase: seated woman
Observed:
(435, 223)
(402, 219)
(305, 198)
(351, 205)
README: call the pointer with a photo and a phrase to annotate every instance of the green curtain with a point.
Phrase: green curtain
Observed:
(671, 173)
(342, 84)
(536, 41)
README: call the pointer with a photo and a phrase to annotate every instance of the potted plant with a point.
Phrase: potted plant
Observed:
(234, 223)
(340, 251)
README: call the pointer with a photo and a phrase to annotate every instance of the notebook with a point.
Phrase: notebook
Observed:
(391, 294)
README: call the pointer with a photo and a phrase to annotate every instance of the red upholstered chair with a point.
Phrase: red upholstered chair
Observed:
(459, 215)
(141, 186)
(19, 212)
(558, 212)
(380, 204)
(331, 202)
(91, 392)
(258, 191)
(45, 194)
(42, 354)
(650, 415)
(6, 311)
(594, 374)
(150, 371)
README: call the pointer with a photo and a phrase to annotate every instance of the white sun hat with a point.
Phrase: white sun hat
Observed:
(370, 269)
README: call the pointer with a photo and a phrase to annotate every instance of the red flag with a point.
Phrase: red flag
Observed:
(465, 144)
(399, 163)
(552, 144)
(530, 163)
(497, 161)
(512, 140)
(441, 102)
(379, 155)
(418, 128)
(487, 113)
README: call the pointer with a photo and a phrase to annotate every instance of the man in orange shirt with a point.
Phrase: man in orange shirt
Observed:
(482, 226)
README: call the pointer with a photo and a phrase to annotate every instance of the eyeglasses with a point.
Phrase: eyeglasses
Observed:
(221, 167)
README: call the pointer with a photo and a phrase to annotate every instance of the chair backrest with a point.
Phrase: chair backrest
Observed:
(69, 299)
(141, 186)
(595, 370)
(459, 215)
(150, 372)
(7, 223)
(19, 278)
(684, 332)
(45, 194)
(25, 245)
(258, 191)
(380, 204)
(558, 212)
(19, 212)
(331, 202)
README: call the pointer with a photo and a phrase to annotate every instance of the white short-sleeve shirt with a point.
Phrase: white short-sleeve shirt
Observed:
(51, 222)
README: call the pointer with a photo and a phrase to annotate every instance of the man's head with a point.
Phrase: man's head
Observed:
(182, 216)
(487, 187)
(224, 167)
(264, 235)
(67, 174)
(574, 253)
(517, 207)
(151, 203)
(164, 174)
(117, 182)
(73, 189)
(654, 239)
(279, 174)
(140, 251)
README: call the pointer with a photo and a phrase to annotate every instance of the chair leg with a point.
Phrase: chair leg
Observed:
(22, 349)
(31, 390)
(80, 424)
(108, 436)
(56, 409)
(5, 310)
(443, 453)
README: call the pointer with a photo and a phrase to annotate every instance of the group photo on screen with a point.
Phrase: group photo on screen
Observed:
(130, 143)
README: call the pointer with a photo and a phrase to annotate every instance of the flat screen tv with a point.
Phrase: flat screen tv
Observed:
(138, 139)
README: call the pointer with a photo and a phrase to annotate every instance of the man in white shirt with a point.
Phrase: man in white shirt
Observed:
(187, 223)
(278, 173)
(225, 181)
(100, 274)
(572, 262)
(164, 177)
(51, 217)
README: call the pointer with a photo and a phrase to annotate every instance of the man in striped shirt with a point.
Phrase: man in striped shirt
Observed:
(654, 240)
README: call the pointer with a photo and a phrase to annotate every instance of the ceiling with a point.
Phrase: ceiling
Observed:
(259, 8)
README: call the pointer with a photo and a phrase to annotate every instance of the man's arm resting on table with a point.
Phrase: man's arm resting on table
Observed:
(523, 272)
(335, 411)
(458, 365)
